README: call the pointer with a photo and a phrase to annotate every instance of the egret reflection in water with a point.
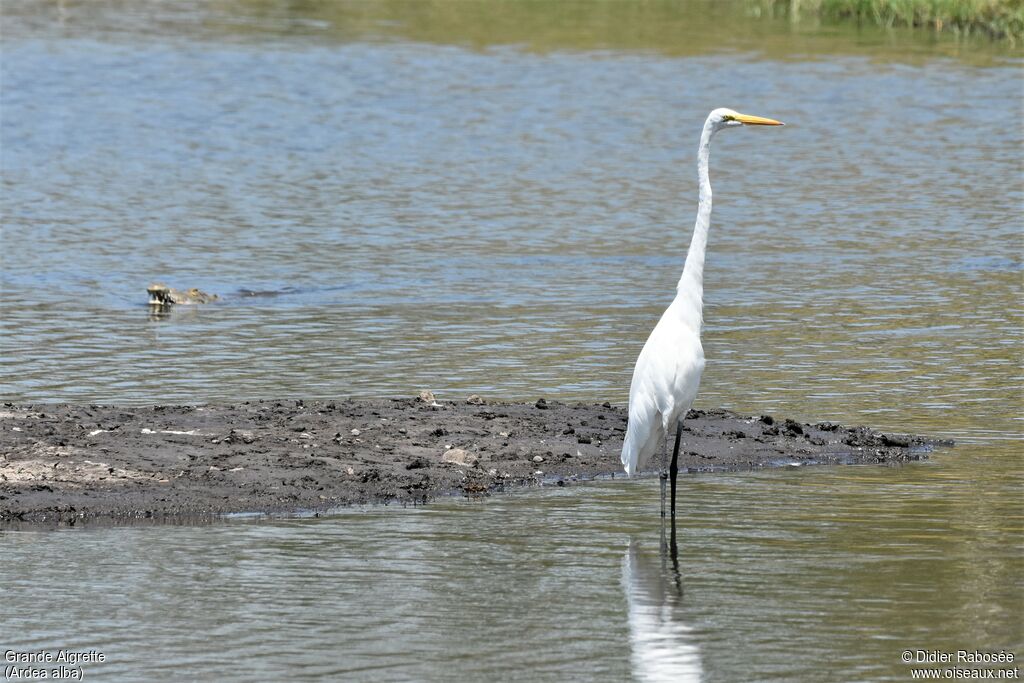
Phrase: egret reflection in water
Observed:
(663, 647)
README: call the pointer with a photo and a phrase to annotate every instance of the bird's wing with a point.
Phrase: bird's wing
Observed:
(664, 385)
(645, 430)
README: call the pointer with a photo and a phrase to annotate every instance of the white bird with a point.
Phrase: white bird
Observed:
(668, 370)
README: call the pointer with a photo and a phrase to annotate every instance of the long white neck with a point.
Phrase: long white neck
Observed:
(690, 290)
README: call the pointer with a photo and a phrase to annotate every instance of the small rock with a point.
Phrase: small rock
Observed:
(236, 435)
(475, 400)
(427, 397)
(460, 457)
(538, 458)
(349, 470)
(355, 432)
(541, 403)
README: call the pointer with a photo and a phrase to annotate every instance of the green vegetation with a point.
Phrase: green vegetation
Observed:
(999, 19)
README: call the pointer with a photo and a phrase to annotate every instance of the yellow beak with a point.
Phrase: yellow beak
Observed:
(757, 120)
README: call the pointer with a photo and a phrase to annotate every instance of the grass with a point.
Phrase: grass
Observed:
(998, 19)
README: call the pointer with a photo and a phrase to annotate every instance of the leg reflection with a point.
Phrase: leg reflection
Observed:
(670, 553)
(663, 647)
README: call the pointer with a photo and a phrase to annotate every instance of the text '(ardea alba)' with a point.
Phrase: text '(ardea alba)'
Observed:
(668, 370)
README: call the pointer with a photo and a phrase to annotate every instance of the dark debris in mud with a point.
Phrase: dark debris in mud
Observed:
(60, 464)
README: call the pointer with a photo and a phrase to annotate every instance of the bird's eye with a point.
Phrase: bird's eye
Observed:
(728, 117)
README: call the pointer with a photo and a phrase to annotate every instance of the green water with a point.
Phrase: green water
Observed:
(496, 198)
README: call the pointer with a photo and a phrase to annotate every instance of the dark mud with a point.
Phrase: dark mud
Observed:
(64, 464)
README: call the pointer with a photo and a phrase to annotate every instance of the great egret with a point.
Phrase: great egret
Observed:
(668, 370)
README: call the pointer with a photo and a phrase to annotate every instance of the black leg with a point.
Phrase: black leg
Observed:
(673, 469)
(663, 476)
(674, 549)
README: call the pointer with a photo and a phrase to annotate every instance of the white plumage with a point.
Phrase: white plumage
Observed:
(664, 385)
(669, 368)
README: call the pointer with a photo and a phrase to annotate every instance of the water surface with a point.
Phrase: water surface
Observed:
(771, 584)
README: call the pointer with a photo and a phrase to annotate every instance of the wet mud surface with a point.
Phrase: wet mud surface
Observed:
(65, 464)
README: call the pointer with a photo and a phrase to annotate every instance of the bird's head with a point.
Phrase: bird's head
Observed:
(727, 118)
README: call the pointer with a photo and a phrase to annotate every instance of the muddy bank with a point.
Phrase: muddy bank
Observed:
(61, 464)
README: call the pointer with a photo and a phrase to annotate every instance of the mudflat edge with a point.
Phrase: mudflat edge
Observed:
(63, 464)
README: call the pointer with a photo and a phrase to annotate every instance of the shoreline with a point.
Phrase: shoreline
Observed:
(63, 464)
(998, 20)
